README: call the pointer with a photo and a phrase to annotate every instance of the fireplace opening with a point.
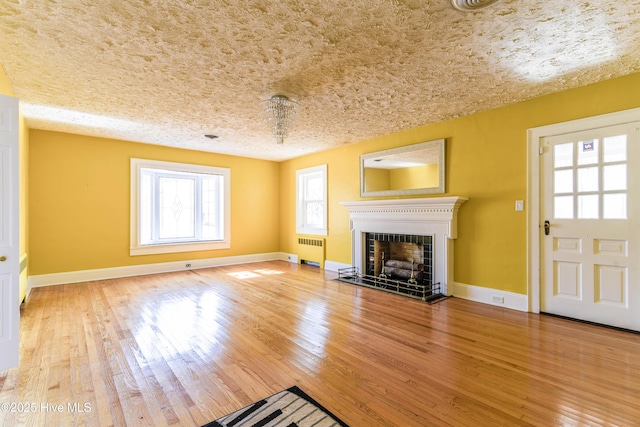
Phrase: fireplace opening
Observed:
(399, 257)
(398, 263)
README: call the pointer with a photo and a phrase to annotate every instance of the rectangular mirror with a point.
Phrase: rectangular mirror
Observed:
(403, 171)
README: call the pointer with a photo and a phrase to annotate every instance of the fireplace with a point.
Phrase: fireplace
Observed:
(428, 227)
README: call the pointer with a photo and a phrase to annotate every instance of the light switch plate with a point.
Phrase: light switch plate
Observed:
(519, 205)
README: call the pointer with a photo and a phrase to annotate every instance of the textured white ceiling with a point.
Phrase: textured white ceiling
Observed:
(169, 71)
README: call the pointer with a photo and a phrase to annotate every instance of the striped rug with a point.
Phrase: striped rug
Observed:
(289, 408)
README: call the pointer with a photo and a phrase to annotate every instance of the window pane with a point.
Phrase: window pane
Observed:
(563, 207)
(177, 210)
(588, 206)
(587, 179)
(615, 177)
(563, 181)
(563, 155)
(313, 214)
(615, 206)
(615, 148)
(145, 214)
(588, 152)
(211, 209)
(311, 205)
(314, 188)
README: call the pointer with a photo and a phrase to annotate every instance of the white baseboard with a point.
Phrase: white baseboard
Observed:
(334, 266)
(495, 297)
(292, 258)
(328, 265)
(491, 296)
(139, 270)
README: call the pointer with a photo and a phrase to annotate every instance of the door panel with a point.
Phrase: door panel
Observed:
(589, 254)
(9, 233)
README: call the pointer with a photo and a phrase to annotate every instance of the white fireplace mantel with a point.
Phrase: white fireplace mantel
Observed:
(432, 216)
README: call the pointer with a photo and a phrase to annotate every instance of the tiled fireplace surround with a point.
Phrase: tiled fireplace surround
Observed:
(433, 216)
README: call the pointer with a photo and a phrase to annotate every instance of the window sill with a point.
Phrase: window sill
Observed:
(312, 231)
(178, 247)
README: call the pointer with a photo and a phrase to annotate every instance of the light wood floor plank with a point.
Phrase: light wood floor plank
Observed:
(184, 348)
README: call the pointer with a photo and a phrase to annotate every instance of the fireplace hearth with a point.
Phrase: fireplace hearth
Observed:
(421, 290)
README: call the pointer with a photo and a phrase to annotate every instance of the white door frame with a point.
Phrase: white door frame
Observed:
(533, 186)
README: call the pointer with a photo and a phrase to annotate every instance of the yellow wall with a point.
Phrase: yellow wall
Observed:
(5, 85)
(79, 202)
(486, 161)
(376, 179)
(23, 154)
(425, 176)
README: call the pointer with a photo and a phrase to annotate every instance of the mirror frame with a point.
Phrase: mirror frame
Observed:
(438, 143)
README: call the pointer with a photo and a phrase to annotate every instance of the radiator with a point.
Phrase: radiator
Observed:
(311, 250)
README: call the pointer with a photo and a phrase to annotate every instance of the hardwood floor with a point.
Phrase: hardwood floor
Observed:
(185, 348)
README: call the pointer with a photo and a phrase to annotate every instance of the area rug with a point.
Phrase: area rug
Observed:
(289, 408)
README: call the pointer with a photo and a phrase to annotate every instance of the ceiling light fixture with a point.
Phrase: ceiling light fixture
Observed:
(471, 5)
(280, 113)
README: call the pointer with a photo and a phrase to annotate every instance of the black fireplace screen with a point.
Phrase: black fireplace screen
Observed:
(384, 247)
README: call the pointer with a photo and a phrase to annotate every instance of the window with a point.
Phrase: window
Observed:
(311, 209)
(590, 178)
(178, 207)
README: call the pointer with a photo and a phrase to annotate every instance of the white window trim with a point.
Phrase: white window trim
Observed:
(300, 226)
(136, 249)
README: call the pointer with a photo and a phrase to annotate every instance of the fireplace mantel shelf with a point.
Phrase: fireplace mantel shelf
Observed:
(448, 202)
(428, 209)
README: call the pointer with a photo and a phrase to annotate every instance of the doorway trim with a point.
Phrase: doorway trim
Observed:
(533, 185)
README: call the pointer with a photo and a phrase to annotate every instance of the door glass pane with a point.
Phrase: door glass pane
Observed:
(615, 177)
(587, 179)
(563, 207)
(615, 206)
(615, 148)
(588, 206)
(563, 181)
(563, 155)
(588, 152)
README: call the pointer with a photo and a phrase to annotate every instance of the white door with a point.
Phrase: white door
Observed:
(590, 197)
(9, 233)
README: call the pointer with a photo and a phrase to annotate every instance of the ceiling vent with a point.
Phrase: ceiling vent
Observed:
(471, 5)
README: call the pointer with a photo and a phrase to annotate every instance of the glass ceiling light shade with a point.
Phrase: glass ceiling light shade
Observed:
(280, 113)
(471, 5)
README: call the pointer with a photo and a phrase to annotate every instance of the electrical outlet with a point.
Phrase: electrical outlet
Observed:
(497, 299)
(188, 265)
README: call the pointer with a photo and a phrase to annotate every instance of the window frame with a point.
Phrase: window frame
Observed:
(301, 226)
(136, 248)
